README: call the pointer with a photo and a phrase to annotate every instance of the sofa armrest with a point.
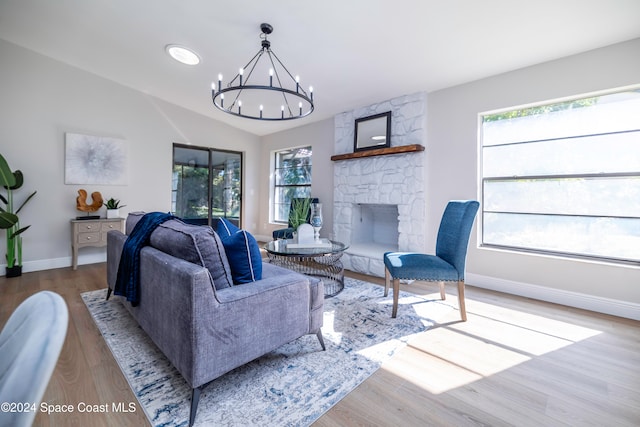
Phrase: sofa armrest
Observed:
(115, 242)
(255, 289)
(250, 320)
(316, 294)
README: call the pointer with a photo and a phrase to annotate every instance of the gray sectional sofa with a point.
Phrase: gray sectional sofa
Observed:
(205, 325)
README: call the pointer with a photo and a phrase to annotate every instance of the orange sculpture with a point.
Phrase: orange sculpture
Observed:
(81, 201)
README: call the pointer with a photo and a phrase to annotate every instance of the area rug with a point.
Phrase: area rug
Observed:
(292, 386)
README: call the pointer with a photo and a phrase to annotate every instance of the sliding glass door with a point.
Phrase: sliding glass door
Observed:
(207, 185)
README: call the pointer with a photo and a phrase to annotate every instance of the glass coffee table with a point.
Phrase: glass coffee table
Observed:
(323, 262)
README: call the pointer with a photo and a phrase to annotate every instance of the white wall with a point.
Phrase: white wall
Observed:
(41, 99)
(452, 155)
(320, 136)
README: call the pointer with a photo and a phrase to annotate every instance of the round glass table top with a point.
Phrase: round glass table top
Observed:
(289, 248)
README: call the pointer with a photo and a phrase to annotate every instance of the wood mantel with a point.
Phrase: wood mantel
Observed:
(413, 148)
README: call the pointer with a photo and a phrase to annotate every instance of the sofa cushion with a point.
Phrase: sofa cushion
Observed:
(132, 220)
(244, 257)
(197, 244)
(226, 228)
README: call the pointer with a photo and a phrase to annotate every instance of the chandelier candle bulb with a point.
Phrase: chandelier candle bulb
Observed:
(270, 76)
(300, 106)
(222, 100)
(298, 84)
(311, 92)
(239, 107)
(261, 107)
(282, 110)
(240, 73)
(219, 82)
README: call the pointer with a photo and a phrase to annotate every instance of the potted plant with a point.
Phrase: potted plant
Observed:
(113, 208)
(9, 219)
(299, 212)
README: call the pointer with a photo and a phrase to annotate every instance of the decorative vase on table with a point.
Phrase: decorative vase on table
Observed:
(316, 219)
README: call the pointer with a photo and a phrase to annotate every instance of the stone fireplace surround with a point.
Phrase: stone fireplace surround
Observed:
(396, 180)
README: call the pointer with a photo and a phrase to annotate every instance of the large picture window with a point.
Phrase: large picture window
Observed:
(292, 178)
(564, 177)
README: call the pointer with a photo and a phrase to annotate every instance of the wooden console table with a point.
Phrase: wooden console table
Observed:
(91, 232)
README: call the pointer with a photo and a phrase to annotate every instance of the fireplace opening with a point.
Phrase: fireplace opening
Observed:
(374, 229)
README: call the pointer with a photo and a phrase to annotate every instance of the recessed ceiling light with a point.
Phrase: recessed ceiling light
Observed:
(183, 54)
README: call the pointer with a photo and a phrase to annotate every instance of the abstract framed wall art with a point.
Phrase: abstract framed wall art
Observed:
(95, 160)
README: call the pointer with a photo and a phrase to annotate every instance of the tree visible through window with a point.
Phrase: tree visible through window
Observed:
(564, 177)
(292, 178)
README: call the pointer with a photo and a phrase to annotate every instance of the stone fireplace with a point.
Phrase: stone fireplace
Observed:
(379, 202)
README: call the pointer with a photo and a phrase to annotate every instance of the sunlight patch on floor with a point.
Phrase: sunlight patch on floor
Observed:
(328, 330)
(432, 374)
(454, 354)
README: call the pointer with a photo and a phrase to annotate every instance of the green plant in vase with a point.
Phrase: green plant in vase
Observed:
(299, 212)
(113, 204)
(113, 207)
(9, 219)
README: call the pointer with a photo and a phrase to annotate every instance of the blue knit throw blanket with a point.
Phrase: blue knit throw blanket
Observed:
(128, 279)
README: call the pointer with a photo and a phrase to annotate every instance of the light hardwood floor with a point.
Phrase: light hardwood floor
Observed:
(514, 362)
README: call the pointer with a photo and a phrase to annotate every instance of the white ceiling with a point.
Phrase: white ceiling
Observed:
(353, 52)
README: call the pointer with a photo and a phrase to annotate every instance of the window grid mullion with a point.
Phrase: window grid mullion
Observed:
(533, 141)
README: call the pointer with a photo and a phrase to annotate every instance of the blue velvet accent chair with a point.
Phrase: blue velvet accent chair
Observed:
(30, 344)
(287, 233)
(447, 265)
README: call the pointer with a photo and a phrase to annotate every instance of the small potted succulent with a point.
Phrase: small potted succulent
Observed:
(113, 208)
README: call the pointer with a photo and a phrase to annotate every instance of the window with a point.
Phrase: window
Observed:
(292, 178)
(206, 184)
(564, 178)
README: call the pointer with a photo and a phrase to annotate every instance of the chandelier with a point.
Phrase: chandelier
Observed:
(279, 97)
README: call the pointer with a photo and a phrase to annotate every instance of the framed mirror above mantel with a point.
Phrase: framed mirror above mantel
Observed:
(372, 132)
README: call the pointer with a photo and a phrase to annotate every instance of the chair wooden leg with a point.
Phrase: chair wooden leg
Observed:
(463, 309)
(387, 279)
(443, 296)
(396, 291)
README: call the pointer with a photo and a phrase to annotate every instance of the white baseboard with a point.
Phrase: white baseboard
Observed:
(48, 264)
(598, 304)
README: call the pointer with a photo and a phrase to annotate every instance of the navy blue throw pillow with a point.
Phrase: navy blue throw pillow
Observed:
(226, 228)
(243, 254)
